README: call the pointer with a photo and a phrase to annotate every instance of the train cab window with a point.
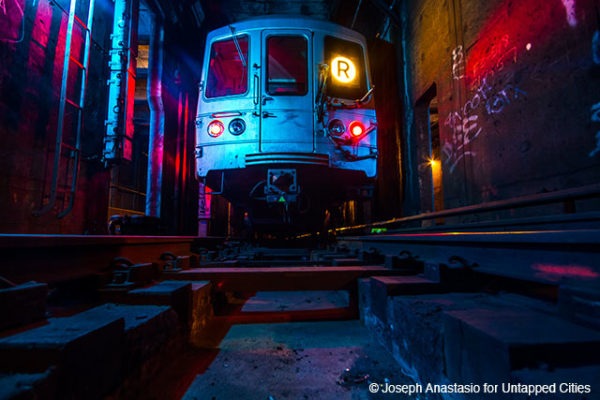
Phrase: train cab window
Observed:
(287, 67)
(227, 71)
(347, 76)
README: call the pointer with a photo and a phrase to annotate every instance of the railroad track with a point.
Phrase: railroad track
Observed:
(458, 307)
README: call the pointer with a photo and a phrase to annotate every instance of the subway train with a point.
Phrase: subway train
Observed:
(286, 126)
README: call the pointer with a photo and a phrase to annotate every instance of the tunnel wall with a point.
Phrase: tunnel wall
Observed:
(387, 202)
(32, 44)
(517, 84)
(179, 206)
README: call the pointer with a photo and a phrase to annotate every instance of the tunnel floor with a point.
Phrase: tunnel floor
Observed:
(272, 324)
(281, 360)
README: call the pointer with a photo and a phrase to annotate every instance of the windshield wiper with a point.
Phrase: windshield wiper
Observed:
(357, 103)
(237, 46)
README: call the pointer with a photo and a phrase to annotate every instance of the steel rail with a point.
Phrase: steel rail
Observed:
(57, 258)
(519, 202)
(559, 257)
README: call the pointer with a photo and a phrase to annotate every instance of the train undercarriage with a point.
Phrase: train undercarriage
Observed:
(282, 198)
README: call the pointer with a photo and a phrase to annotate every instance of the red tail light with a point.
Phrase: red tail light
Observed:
(216, 128)
(356, 129)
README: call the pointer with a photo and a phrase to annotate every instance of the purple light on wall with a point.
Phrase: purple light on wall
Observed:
(12, 22)
(571, 12)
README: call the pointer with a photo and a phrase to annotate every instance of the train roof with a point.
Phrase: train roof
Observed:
(284, 22)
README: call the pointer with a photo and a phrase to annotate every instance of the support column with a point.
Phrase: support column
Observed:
(157, 120)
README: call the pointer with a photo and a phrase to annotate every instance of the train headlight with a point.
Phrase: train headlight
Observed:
(336, 127)
(215, 128)
(237, 126)
(356, 129)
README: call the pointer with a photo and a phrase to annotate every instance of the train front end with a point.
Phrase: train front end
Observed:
(286, 125)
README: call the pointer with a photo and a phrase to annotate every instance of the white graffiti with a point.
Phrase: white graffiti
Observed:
(464, 131)
(498, 101)
(482, 92)
(497, 57)
(465, 124)
(458, 63)
(596, 118)
(571, 12)
(596, 47)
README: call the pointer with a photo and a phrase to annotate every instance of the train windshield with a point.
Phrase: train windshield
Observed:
(347, 75)
(287, 68)
(227, 71)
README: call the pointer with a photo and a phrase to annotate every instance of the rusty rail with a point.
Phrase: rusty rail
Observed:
(579, 193)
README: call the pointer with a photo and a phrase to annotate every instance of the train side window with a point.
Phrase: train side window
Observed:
(287, 67)
(347, 75)
(227, 72)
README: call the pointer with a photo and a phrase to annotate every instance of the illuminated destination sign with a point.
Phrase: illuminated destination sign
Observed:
(343, 69)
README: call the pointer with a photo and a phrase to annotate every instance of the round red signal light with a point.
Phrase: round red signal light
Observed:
(356, 128)
(216, 128)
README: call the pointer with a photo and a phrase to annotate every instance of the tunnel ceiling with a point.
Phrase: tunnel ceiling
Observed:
(369, 17)
(238, 10)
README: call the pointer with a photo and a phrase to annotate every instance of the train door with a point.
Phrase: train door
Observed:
(286, 91)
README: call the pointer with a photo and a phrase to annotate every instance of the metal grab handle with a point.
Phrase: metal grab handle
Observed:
(267, 114)
(256, 93)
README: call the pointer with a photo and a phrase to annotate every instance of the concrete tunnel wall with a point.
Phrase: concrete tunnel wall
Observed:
(517, 85)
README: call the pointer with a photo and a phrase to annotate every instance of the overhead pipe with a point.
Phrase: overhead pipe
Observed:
(355, 14)
(156, 135)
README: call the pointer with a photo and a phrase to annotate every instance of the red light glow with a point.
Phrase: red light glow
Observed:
(216, 128)
(356, 129)
(554, 272)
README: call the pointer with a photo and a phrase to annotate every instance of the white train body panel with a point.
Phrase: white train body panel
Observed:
(275, 95)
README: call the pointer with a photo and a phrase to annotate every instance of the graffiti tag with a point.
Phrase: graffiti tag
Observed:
(571, 14)
(499, 55)
(458, 63)
(498, 101)
(465, 124)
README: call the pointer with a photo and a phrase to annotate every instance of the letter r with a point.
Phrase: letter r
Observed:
(344, 69)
